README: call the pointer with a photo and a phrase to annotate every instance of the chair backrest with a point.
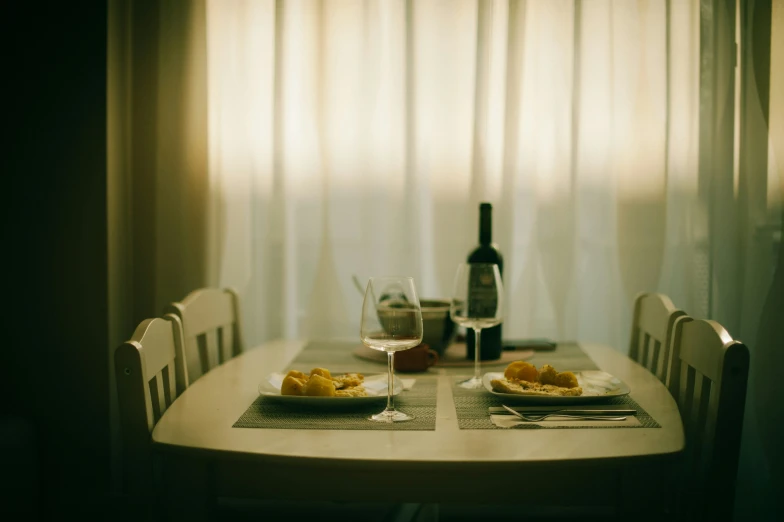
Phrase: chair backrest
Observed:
(150, 374)
(652, 327)
(211, 325)
(708, 381)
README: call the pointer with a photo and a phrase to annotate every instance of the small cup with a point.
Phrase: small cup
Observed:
(416, 359)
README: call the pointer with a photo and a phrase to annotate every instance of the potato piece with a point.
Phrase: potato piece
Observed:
(319, 386)
(527, 372)
(566, 380)
(297, 374)
(521, 370)
(547, 374)
(292, 386)
(322, 372)
(511, 370)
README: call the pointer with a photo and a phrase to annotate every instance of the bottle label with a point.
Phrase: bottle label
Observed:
(483, 296)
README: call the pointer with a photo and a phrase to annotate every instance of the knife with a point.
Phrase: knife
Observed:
(495, 410)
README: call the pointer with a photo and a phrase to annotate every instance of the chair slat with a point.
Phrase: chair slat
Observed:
(666, 361)
(168, 384)
(646, 344)
(211, 339)
(688, 403)
(155, 400)
(656, 362)
(702, 392)
(204, 360)
(161, 394)
(226, 341)
(709, 426)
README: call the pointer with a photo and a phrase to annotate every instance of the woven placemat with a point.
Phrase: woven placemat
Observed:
(336, 356)
(419, 401)
(471, 405)
(472, 411)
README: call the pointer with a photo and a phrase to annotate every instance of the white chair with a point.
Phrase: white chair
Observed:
(150, 375)
(708, 381)
(212, 329)
(652, 327)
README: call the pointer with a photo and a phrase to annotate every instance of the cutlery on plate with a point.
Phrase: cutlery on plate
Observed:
(537, 418)
(538, 410)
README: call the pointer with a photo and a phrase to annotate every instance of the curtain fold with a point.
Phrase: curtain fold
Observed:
(158, 147)
(156, 166)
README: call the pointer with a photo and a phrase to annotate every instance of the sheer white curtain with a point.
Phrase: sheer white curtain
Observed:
(358, 137)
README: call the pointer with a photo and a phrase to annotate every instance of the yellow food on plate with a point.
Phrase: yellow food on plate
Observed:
(566, 380)
(547, 374)
(521, 370)
(321, 383)
(292, 386)
(358, 391)
(318, 386)
(321, 371)
(522, 378)
(350, 380)
(297, 374)
(533, 388)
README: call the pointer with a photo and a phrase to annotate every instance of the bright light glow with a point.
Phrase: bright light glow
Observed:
(350, 137)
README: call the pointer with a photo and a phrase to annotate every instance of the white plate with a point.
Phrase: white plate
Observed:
(375, 386)
(596, 385)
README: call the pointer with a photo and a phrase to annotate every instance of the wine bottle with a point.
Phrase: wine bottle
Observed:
(486, 252)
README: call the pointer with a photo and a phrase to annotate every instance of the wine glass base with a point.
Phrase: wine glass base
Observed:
(472, 384)
(391, 416)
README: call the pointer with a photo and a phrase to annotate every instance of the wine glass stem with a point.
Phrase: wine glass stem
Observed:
(477, 345)
(390, 381)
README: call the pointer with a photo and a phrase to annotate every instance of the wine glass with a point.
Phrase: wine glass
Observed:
(477, 302)
(391, 321)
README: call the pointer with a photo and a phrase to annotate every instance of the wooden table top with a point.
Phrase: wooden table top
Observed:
(199, 423)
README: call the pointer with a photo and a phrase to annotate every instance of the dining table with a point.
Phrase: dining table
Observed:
(208, 445)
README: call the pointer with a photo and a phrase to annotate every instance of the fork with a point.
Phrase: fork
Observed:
(537, 418)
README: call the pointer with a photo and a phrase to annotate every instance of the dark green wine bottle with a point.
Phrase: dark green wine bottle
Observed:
(486, 252)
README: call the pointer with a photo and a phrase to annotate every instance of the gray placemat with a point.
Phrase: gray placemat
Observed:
(336, 356)
(472, 405)
(472, 411)
(419, 401)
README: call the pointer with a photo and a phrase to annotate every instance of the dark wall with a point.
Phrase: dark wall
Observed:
(55, 416)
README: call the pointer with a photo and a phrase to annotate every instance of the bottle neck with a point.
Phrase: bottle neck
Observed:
(485, 224)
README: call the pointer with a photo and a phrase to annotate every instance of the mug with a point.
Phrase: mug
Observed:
(416, 359)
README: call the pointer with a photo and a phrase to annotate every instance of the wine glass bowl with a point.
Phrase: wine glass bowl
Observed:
(437, 328)
(398, 318)
(477, 303)
(391, 322)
